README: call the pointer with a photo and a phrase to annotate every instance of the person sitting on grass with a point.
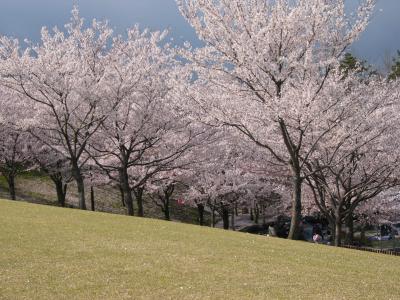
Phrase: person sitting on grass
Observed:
(317, 238)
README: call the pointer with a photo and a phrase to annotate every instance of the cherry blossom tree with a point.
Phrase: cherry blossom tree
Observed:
(218, 182)
(61, 79)
(384, 208)
(147, 130)
(136, 78)
(159, 154)
(360, 161)
(264, 67)
(200, 193)
(264, 199)
(162, 187)
(54, 164)
(14, 156)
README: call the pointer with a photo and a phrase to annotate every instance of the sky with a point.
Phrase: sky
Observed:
(24, 19)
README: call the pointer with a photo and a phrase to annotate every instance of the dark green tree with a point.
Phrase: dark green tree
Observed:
(353, 64)
(395, 69)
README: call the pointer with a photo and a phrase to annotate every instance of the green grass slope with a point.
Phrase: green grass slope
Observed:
(54, 253)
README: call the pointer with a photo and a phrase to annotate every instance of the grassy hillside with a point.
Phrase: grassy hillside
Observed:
(52, 253)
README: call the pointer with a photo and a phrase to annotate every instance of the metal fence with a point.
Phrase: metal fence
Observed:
(395, 252)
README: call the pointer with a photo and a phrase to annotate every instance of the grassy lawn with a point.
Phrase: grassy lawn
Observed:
(53, 253)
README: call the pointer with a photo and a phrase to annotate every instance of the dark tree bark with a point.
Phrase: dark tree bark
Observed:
(92, 206)
(77, 174)
(332, 229)
(233, 219)
(200, 210)
(126, 191)
(139, 200)
(338, 232)
(61, 190)
(350, 229)
(11, 185)
(294, 163)
(212, 206)
(362, 234)
(263, 214)
(129, 203)
(213, 216)
(294, 232)
(81, 192)
(166, 210)
(225, 216)
(65, 192)
(256, 213)
(121, 191)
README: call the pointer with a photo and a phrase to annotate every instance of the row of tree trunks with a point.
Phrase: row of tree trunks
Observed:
(60, 186)
(61, 189)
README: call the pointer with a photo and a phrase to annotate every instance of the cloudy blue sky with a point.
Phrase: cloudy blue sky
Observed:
(24, 18)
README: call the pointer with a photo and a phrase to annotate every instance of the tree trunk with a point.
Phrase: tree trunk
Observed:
(263, 215)
(332, 230)
(166, 210)
(256, 214)
(251, 214)
(200, 209)
(129, 203)
(92, 198)
(233, 219)
(350, 229)
(76, 171)
(168, 192)
(11, 186)
(225, 217)
(362, 234)
(293, 150)
(294, 232)
(126, 191)
(213, 216)
(60, 192)
(81, 192)
(236, 209)
(338, 232)
(121, 191)
(65, 191)
(139, 199)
